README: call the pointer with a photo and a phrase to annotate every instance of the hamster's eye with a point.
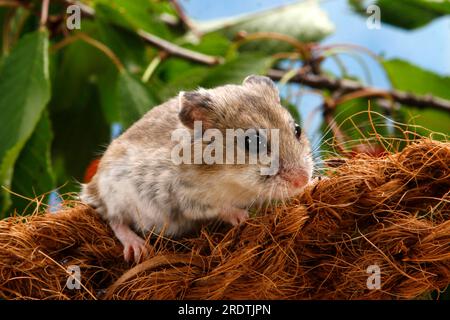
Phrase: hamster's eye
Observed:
(298, 131)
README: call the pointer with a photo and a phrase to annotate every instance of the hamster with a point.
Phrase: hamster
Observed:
(139, 188)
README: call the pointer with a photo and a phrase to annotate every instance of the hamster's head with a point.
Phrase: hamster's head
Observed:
(264, 151)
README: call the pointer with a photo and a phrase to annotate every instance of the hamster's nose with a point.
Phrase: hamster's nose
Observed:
(297, 178)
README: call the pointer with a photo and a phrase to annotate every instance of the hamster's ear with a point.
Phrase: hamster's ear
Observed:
(259, 80)
(262, 81)
(196, 106)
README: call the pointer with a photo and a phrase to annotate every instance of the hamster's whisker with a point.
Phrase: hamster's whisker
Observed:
(270, 198)
(287, 198)
(254, 200)
(351, 130)
(284, 193)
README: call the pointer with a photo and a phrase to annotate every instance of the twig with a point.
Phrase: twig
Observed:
(160, 43)
(184, 18)
(344, 85)
(298, 45)
(93, 42)
(6, 41)
(10, 3)
(152, 66)
(178, 51)
(100, 46)
(44, 12)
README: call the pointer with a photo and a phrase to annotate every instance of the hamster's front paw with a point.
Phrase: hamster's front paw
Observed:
(235, 216)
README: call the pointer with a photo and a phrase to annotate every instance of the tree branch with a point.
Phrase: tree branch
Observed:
(344, 85)
(160, 43)
(178, 51)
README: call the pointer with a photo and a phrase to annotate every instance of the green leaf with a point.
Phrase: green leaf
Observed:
(133, 98)
(129, 48)
(80, 110)
(235, 70)
(134, 15)
(25, 91)
(214, 43)
(292, 110)
(78, 64)
(33, 173)
(176, 77)
(408, 77)
(355, 120)
(305, 21)
(81, 133)
(107, 83)
(412, 14)
(359, 129)
(131, 52)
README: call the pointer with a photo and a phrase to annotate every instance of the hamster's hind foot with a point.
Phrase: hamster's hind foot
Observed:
(134, 247)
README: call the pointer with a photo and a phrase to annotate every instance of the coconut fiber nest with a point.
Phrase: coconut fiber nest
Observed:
(391, 212)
